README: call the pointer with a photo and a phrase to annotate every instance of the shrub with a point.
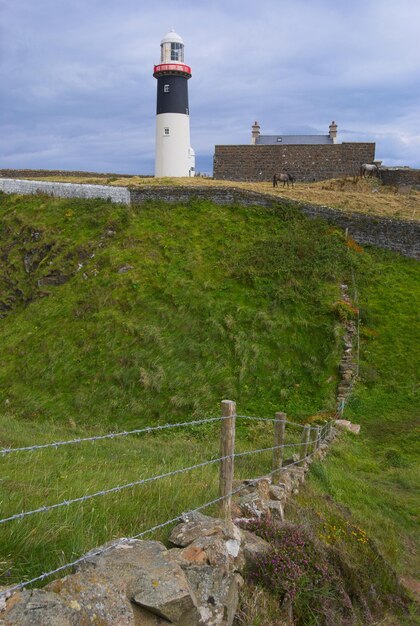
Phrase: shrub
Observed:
(345, 311)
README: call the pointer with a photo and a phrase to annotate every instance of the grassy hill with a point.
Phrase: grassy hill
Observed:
(121, 317)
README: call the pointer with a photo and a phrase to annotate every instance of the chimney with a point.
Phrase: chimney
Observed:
(255, 133)
(333, 131)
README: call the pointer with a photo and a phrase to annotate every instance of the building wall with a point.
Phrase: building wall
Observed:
(306, 162)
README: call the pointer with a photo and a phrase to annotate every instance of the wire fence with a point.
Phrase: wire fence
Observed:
(306, 448)
(124, 433)
(98, 552)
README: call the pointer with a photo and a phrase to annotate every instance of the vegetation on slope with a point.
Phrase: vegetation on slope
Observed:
(117, 318)
(363, 497)
(119, 315)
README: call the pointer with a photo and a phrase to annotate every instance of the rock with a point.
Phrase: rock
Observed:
(55, 278)
(342, 424)
(250, 486)
(98, 598)
(263, 488)
(213, 550)
(298, 473)
(276, 509)
(278, 492)
(343, 389)
(27, 262)
(40, 608)
(198, 525)
(125, 268)
(146, 575)
(355, 428)
(252, 505)
(253, 546)
(153, 580)
(190, 554)
(217, 594)
(404, 189)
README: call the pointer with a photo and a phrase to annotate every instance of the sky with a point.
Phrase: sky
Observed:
(77, 90)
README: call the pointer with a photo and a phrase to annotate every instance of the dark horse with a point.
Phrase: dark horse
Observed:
(285, 178)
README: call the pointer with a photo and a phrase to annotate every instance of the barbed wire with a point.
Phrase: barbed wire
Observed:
(103, 492)
(137, 431)
(22, 585)
(271, 419)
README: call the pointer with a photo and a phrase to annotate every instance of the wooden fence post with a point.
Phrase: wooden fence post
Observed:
(227, 449)
(317, 436)
(279, 435)
(330, 429)
(305, 441)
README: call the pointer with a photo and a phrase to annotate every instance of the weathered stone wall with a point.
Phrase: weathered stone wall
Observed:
(65, 190)
(400, 176)
(218, 195)
(29, 174)
(306, 162)
(401, 236)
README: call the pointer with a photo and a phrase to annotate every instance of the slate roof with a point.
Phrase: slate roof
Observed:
(266, 140)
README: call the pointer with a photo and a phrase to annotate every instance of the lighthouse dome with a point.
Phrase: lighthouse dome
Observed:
(172, 37)
(172, 48)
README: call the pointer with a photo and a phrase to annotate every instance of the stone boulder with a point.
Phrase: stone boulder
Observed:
(40, 608)
(347, 425)
(149, 577)
(197, 525)
(253, 546)
(217, 594)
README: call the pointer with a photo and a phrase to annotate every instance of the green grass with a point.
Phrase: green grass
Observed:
(216, 302)
(219, 302)
(377, 474)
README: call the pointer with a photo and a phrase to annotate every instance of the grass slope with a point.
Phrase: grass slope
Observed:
(156, 314)
(118, 318)
(360, 505)
(164, 311)
(382, 466)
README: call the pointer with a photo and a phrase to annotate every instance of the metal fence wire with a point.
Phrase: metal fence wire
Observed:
(321, 433)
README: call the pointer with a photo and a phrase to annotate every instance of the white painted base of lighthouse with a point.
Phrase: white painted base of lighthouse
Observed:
(174, 156)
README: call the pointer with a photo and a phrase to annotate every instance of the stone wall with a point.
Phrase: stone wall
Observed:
(29, 174)
(400, 176)
(306, 162)
(401, 236)
(65, 190)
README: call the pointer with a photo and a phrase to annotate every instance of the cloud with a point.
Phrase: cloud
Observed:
(77, 89)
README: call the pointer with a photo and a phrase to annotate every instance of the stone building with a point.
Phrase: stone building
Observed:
(307, 157)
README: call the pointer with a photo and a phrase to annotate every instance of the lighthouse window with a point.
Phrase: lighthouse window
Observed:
(166, 88)
(177, 52)
(166, 131)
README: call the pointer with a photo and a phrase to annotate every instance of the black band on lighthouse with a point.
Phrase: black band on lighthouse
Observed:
(172, 94)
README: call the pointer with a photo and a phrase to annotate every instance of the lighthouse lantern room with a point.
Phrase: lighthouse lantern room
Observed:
(174, 155)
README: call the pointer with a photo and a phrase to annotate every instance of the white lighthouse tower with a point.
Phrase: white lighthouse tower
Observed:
(174, 155)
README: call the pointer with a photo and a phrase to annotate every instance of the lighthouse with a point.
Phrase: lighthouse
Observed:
(174, 155)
